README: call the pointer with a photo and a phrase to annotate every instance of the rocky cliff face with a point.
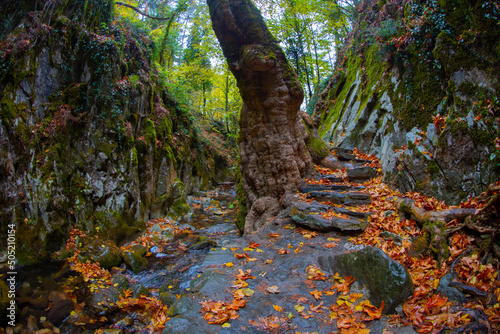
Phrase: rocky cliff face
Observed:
(417, 85)
(88, 136)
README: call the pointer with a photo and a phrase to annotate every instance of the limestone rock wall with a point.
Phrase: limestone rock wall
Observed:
(418, 86)
(88, 136)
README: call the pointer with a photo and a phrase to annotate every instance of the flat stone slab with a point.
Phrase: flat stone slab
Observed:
(304, 215)
(344, 156)
(360, 173)
(332, 187)
(333, 178)
(348, 199)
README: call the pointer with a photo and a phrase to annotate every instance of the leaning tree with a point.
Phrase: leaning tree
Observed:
(274, 156)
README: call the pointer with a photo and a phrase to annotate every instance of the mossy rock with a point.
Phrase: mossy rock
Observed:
(135, 262)
(139, 250)
(204, 243)
(121, 282)
(420, 245)
(179, 209)
(139, 290)
(167, 298)
(104, 252)
(386, 280)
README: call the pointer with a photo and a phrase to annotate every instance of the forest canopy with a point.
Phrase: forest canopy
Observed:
(191, 62)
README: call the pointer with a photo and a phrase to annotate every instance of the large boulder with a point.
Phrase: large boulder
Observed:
(385, 279)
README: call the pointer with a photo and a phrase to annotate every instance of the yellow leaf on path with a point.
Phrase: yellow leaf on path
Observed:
(278, 308)
(259, 250)
(341, 302)
(247, 292)
(226, 325)
(229, 264)
(224, 248)
(299, 308)
(290, 315)
(248, 249)
(234, 248)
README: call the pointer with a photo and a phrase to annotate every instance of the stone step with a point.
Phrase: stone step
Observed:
(333, 187)
(361, 174)
(307, 214)
(347, 199)
(342, 156)
(333, 178)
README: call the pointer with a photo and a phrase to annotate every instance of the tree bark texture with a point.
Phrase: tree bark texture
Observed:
(274, 157)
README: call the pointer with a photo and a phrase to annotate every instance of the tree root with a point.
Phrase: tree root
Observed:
(440, 225)
(420, 215)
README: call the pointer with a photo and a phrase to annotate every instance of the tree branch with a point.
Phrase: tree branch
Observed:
(141, 12)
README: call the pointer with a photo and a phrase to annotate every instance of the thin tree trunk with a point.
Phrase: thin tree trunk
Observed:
(318, 74)
(274, 157)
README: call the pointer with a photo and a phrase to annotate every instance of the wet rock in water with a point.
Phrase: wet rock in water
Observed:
(178, 325)
(25, 290)
(204, 243)
(39, 303)
(139, 290)
(386, 280)
(49, 284)
(135, 262)
(60, 310)
(103, 252)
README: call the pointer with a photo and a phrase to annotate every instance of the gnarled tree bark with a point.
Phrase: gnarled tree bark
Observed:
(274, 157)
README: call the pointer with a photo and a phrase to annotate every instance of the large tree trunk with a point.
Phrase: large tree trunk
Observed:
(274, 157)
